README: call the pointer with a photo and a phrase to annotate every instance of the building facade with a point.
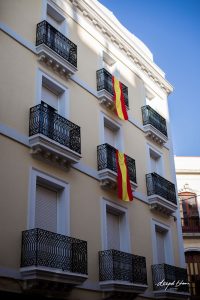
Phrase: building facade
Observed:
(65, 233)
(188, 181)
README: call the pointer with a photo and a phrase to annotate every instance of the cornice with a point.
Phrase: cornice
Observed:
(111, 32)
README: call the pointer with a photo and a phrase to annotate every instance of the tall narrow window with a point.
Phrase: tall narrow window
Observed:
(110, 136)
(160, 243)
(115, 227)
(52, 93)
(50, 97)
(56, 19)
(113, 231)
(189, 212)
(155, 162)
(49, 203)
(46, 208)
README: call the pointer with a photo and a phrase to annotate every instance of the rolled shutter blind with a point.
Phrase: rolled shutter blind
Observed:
(46, 209)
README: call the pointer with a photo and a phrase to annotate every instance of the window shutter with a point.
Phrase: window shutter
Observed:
(110, 136)
(113, 233)
(46, 209)
(160, 239)
(50, 97)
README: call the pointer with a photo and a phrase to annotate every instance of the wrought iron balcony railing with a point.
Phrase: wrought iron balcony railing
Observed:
(51, 37)
(190, 225)
(157, 185)
(118, 265)
(150, 116)
(42, 248)
(44, 120)
(104, 81)
(106, 158)
(170, 274)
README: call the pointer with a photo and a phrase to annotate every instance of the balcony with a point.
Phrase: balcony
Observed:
(52, 261)
(154, 125)
(176, 277)
(55, 50)
(105, 90)
(191, 226)
(161, 194)
(52, 137)
(121, 272)
(107, 167)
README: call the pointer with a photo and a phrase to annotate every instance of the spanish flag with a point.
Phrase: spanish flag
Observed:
(123, 180)
(120, 106)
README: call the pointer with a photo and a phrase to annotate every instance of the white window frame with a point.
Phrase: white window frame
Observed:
(104, 119)
(150, 149)
(63, 217)
(56, 13)
(169, 254)
(63, 106)
(107, 205)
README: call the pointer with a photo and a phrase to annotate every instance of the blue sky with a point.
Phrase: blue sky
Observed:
(171, 30)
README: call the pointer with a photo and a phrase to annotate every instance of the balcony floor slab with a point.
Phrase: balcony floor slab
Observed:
(46, 148)
(161, 205)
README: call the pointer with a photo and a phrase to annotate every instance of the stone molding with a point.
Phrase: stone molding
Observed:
(89, 10)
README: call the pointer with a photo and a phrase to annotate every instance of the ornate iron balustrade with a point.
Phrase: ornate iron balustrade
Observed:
(150, 116)
(190, 225)
(44, 248)
(51, 37)
(157, 185)
(44, 120)
(106, 159)
(118, 265)
(104, 81)
(170, 274)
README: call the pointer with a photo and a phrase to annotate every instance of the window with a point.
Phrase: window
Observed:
(48, 203)
(162, 243)
(189, 212)
(155, 161)
(52, 93)
(50, 97)
(111, 133)
(56, 19)
(109, 64)
(189, 208)
(46, 206)
(115, 228)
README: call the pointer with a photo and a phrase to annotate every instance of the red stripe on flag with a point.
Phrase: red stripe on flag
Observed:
(123, 104)
(130, 194)
(123, 190)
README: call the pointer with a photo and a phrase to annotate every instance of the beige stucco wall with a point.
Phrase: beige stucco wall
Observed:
(18, 87)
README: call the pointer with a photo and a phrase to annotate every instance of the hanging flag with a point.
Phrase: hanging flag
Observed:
(120, 106)
(123, 180)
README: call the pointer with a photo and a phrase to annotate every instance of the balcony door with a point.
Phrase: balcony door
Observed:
(110, 136)
(50, 97)
(46, 208)
(161, 246)
(155, 162)
(57, 20)
(113, 231)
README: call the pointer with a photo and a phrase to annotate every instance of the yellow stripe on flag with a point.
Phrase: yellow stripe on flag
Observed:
(118, 98)
(123, 168)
